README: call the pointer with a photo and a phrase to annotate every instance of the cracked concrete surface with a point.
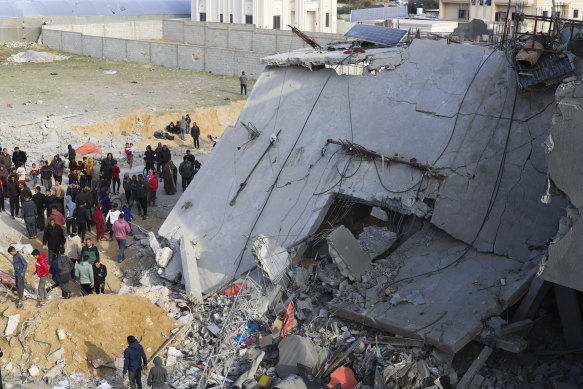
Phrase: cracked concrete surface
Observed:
(445, 105)
(564, 265)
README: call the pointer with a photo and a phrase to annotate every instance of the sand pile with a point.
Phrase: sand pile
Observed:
(211, 120)
(93, 331)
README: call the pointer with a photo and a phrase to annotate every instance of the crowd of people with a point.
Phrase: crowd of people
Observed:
(65, 215)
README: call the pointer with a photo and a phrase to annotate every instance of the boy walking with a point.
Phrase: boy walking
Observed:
(42, 271)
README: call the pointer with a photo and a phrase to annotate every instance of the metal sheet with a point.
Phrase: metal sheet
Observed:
(380, 13)
(549, 70)
(31, 8)
(376, 34)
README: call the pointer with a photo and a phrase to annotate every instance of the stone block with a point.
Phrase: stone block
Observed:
(12, 324)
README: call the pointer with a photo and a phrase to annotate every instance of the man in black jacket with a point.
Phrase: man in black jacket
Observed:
(24, 191)
(166, 156)
(195, 133)
(99, 274)
(81, 216)
(149, 158)
(40, 201)
(46, 175)
(13, 193)
(29, 213)
(18, 157)
(53, 239)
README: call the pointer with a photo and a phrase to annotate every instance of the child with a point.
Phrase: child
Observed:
(129, 154)
(42, 271)
(152, 188)
(129, 217)
(34, 172)
(21, 172)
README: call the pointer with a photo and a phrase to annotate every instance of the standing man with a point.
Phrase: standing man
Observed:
(121, 228)
(85, 274)
(39, 200)
(58, 168)
(182, 127)
(29, 214)
(91, 251)
(143, 195)
(13, 192)
(5, 159)
(195, 133)
(188, 121)
(134, 359)
(53, 239)
(46, 176)
(243, 81)
(81, 216)
(186, 170)
(19, 271)
(18, 157)
(64, 266)
(99, 274)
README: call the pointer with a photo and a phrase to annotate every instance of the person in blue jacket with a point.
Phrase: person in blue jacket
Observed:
(134, 359)
(129, 217)
(19, 271)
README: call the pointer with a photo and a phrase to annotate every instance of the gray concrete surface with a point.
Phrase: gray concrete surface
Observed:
(411, 111)
(564, 265)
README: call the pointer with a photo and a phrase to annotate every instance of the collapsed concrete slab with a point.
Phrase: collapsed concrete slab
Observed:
(347, 253)
(294, 349)
(564, 265)
(273, 258)
(468, 148)
(443, 296)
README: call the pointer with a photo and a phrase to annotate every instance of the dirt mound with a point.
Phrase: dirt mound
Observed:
(211, 120)
(95, 330)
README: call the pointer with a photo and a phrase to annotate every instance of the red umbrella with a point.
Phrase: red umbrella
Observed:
(88, 148)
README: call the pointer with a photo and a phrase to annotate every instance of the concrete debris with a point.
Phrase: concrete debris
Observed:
(294, 349)
(379, 213)
(346, 252)
(163, 256)
(36, 56)
(376, 240)
(188, 261)
(273, 258)
(12, 324)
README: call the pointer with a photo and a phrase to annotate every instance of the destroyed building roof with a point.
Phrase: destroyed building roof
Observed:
(479, 173)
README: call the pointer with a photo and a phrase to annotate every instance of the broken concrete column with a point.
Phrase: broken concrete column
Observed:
(190, 269)
(163, 256)
(346, 252)
(273, 258)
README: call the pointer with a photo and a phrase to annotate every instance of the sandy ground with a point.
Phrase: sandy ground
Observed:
(79, 91)
(136, 100)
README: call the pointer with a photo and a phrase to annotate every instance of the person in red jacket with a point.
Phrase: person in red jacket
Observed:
(152, 189)
(115, 177)
(42, 271)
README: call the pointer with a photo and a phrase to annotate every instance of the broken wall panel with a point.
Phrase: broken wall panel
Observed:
(445, 296)
(564, 265)
(409, 112)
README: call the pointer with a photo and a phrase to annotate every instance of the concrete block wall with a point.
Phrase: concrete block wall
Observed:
(220, 48)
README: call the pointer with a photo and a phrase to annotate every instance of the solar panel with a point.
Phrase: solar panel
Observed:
(376, 34)
(358, 15)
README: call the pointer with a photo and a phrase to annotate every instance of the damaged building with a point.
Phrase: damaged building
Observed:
(403, 187)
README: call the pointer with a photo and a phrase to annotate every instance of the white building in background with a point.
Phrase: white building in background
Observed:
(307, 15)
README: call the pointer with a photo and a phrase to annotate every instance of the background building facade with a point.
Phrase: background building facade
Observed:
(492, 11)
(307, 15)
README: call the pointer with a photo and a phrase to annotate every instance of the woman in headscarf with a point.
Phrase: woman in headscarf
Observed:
(98, 220)
(88, 167)
(169, 176)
